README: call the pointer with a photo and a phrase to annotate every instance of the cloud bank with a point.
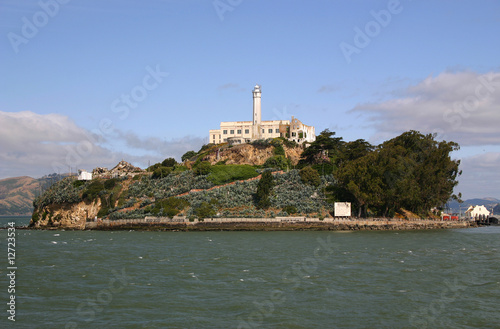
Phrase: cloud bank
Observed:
(463, 107)
(34, 145)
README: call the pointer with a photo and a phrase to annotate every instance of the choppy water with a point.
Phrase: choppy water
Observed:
(419, 279)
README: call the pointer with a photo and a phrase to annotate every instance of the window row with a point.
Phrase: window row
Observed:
(247, 131)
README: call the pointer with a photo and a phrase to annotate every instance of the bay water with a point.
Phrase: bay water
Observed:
(139, 279)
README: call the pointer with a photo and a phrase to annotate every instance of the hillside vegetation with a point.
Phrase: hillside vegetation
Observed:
(410, 173)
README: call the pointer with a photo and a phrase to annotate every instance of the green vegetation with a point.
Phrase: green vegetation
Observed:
(169, 207)
(310, 176)
(279, 162)
(188, 155)
(169, 162)
(222, 174)
(202, 168)
(161, 172)
(264, 189)
(413, 172)
(206, 209)
(93, 190)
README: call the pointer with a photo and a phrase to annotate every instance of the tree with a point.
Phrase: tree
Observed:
(161, 172)
(310, 176)
(188, 155)
(354, 150)
(169, 162)
(264, 188)
(412, 172)
(362, 180)
(323, 150)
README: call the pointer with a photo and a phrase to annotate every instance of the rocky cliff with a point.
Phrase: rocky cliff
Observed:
(68, 216)
(249, 154)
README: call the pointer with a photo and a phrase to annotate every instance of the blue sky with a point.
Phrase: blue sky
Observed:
(86, 83)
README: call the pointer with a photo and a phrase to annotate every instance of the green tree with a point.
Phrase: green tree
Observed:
(264, 189)
(161, 172)
(354, 150)
(169, 162)
(362, 180)
(324, 149)
(310, 176)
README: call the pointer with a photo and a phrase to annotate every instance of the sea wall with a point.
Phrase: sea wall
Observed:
(275, 224)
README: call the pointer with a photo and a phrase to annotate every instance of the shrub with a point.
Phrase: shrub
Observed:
(310, 176)
(110, 183)
(278, 148)
(161, 172)
(78, 183)
(188, 155)
(170, 206)
(290, 209)
(92, 191)
(205, 210)
(202, 168)
(278, 161)
(288, 143)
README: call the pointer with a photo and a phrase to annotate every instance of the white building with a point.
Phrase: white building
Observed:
(84, 175)
(477, 211)
(246, 131)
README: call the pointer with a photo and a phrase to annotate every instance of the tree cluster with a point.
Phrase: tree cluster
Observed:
(413, 172)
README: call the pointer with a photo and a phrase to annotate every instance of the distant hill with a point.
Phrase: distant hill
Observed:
(17, 193)
(489, 203)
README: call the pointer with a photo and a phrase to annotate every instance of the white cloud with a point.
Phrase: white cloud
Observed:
(34, 145)
(480, 176)
(460, 106)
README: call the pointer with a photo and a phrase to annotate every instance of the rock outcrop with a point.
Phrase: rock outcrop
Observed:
(122, 169)
(249, 154)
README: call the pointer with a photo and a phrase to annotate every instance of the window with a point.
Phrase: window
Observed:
(239, 131)
(293, 134)
(270, 131)
(247, 131)
(277, 131)
(231, 132)
(224, 132)
(262, 130)
(213, 136)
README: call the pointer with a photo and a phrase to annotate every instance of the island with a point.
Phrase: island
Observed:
(266, 184)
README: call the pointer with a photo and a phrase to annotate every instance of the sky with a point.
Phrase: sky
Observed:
(87, 83)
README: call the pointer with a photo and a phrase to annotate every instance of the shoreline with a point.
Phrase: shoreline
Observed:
(261, 224)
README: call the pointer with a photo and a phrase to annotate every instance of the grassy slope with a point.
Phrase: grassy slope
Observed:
(17, 194)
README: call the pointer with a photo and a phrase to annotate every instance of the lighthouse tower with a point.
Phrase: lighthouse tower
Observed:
(256, 130)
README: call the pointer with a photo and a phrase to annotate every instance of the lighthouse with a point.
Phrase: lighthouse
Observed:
(256, 130)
